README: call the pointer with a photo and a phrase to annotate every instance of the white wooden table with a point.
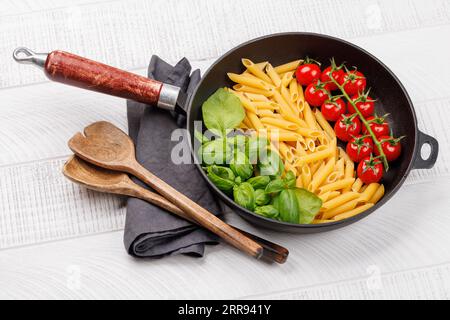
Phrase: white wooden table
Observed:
(60, 241)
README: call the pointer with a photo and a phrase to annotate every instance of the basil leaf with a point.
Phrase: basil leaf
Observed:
(215, 152)
(287, 205)
(275, 186)
(241, 166)
(268, 211)
(259, 182)
(271, 164)
(222, 112)
(238, 142)
(290, 180)
(244, 195)
(256, 148)
(309, 205)
(261, 197)
(200, 137)
(222, 177)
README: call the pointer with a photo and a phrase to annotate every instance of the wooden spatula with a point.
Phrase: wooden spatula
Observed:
(105, 180)
(106, 146)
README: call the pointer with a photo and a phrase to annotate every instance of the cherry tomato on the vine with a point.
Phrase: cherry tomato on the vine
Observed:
(347, 126)
(337, 75)
(333, 108)
(316, 94)
(370, 170)
(359, 147)
(308, 72)
(378, 125)
(364, 103)
(391, 146)
(353, 82)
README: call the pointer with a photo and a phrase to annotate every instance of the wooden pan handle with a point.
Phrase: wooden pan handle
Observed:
(200, 215)
(77, 71)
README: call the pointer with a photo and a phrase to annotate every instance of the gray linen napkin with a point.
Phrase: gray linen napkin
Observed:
(149, 230)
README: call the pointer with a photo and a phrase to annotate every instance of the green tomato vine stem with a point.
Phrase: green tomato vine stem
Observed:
(365, 122)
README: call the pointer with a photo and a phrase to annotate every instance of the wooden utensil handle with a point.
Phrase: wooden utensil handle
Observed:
(199, 214)
(77, 71)
(274, 251)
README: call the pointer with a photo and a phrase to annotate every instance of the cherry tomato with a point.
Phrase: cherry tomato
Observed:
(347, 126)
(370, 170)
(353, 82)
(378, 125)
(391, 146)
(337, 74)
(333, 108)
(359, 147)
(364, 103)
(316, 94)
(308, 72)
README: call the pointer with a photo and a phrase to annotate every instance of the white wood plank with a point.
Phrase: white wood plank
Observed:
(126, 33)
(408, 233)
(17, 7)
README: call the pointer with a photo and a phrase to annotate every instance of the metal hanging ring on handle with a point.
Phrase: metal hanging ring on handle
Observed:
(26, 56)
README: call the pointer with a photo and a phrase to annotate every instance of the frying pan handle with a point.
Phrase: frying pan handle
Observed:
(419, 162)
(68, 68)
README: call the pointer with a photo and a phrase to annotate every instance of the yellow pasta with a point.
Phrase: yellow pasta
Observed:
(280, 123)
(321, 174)
(368, 193)
(247, 89)
(253, 69)
(338, 185)
(275, 108)
(379, 193)
(356, 186)
(353, 212)
(290, 66)
(248, 81)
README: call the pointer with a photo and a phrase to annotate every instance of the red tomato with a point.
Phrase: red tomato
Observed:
(378, 125)
(370, 170)
(337, 75)
(392, 147)
(353, 82)
(347, 126)
(364, 103)
(333, 108)
(359, 147)
(308, 72)
(316, 94)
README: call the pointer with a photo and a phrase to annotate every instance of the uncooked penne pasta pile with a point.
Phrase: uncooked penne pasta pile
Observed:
(275, 106)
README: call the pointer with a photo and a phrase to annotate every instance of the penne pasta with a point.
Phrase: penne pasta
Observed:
(338, 185)
(356, 186)
(353, 212)
(321, 175)
(247, 89)
(324, 124)
(290, 66)
(343, 198)
(322, 152)
(257, 72)
(293, 90)
(248, 81)
(280, 123)
(286, 79)
(273, 75)
(368, 193)
(379, 193)
(246, 103)
(256, 123)
(256, 97)
(306, 175)
(350, 205)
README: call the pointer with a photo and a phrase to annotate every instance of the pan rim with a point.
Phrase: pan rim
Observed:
(328, 225)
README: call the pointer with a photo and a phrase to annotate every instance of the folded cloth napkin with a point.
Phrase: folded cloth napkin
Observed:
(149, 230)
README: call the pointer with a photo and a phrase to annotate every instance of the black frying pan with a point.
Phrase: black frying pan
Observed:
(391, 98)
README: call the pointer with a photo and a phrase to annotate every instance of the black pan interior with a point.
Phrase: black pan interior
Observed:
(278, 49)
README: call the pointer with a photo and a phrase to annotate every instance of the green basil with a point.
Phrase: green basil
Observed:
(222, 111)
(271, 164)
(238, 142)
(222, 177)
(309, 205)
(259, 182)
(217, 151)
(256, 148)
(268, 211)
(287, 205)
(241, 165)
(275, 186)
(200, 137)
(261, 197)
(244, 195)
(290, 180)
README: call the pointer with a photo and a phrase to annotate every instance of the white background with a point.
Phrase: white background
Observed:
(61, 241)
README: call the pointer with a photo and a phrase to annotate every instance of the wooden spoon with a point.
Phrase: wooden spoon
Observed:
(105, 145)
(105, 180)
